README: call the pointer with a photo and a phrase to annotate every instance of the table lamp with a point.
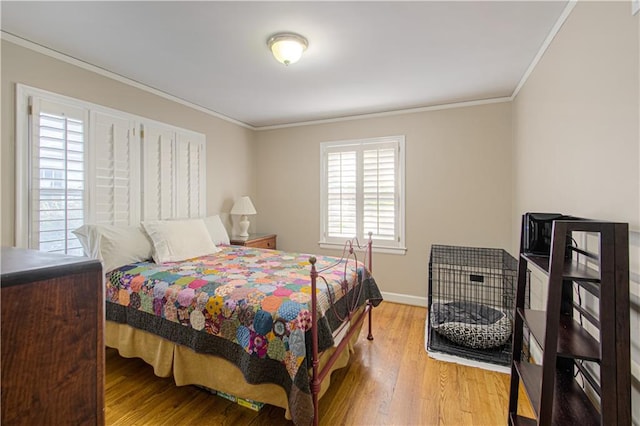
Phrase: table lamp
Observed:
(244, 207)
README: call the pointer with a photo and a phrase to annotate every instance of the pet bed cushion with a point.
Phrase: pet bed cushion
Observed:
(471, 324)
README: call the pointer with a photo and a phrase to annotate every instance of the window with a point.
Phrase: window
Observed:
(78, 163)
(363, 192)
(58, 196)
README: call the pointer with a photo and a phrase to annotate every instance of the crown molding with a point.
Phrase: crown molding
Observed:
(390, 113)
(117, 77)
(545, 45)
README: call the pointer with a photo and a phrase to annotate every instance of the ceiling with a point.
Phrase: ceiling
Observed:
(363, 57)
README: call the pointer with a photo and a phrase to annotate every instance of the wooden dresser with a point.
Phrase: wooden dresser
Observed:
(52, 339)
(267, 241)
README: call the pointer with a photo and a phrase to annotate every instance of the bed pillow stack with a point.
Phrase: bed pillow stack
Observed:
(162, 240)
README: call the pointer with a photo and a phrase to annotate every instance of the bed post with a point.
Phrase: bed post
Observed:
(370, 306)
(315, 380)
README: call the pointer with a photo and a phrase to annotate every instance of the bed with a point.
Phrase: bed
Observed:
(260, 324)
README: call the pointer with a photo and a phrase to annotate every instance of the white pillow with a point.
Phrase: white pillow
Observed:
(176, 240)
(114, 245)
(84, 235)
(217, 231)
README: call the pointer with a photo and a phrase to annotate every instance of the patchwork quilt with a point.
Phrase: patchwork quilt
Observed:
(248, 305)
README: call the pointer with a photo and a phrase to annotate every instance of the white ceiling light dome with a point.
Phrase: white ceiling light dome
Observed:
(287, 48)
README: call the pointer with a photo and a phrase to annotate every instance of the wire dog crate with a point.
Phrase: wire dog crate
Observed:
(471, 302)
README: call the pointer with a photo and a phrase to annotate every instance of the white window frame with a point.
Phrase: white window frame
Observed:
(396, 246)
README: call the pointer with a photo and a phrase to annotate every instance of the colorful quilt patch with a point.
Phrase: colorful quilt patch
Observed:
(259, 299)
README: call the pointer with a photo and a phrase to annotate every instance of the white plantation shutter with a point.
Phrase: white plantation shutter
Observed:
(116, 161)
(190, 175)
(362, 192)
(79, 163)
(57, 176)
(379, 192)
(174, 181)
(158, 151)
(341, 194)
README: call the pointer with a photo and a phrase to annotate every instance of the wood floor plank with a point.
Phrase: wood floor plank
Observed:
(390, 380)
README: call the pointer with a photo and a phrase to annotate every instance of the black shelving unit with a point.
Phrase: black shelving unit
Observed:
(563, 389)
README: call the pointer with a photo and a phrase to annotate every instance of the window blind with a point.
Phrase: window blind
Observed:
(159, 168)
(174, 178)
(362, 191)
(57, 177)
(80, 163)
(116, 177)
(341, 194)
(190, 175)
(379, 193)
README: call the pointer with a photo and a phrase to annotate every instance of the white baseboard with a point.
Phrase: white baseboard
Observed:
(405, 299)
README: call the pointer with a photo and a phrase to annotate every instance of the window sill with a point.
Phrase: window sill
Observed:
(376, 249)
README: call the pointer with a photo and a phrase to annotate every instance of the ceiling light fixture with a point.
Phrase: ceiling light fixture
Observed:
(287, 48)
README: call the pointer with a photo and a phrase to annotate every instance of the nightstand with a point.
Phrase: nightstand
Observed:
(267, 241)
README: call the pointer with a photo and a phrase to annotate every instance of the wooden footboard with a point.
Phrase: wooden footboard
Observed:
(318, 375)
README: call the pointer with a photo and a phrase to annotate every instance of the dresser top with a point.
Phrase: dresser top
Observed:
(19, 266)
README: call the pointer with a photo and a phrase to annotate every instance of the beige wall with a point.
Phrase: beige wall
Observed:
(577, 133)
(229, 146)
(458, 185)
(576, 120)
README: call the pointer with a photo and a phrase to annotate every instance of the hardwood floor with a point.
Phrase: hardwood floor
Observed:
(388, 381)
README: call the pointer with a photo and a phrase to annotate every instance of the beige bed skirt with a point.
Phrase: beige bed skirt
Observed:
(191, 368)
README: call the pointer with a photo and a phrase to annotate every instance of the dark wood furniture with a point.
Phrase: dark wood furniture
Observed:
(267, 241)
(52, 339)
(566, 388)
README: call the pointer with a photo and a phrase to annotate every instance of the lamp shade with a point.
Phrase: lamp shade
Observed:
(243, 206)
